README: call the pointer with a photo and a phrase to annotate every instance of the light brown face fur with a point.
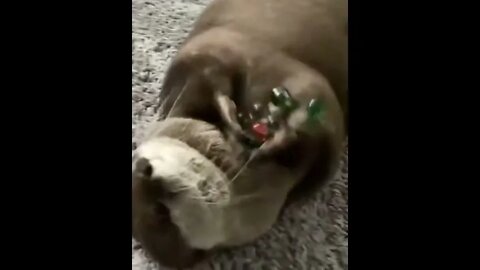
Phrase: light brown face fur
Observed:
(237, 52)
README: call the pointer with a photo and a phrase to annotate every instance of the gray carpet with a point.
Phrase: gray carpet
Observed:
(308, 236)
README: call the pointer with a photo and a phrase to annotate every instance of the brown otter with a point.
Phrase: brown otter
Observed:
(191, 191)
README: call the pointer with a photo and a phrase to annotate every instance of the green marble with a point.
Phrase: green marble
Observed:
(281, 98)
(315, 111)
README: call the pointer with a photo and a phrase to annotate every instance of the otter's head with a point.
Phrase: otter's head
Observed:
(180, 189)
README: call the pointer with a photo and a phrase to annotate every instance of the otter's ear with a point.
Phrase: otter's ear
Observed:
(143, 168)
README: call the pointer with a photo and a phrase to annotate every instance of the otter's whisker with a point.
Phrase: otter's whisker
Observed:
(200, 198)
(230, 171)
(178, 97)
(238, 199)
(244, 166)
(213, 203)
(182, 189)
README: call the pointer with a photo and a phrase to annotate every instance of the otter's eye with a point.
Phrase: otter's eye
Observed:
(162, 211)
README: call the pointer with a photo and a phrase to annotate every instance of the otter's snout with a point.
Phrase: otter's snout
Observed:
(143, 168)
(152, 226)
(153, 187)
(177, 199)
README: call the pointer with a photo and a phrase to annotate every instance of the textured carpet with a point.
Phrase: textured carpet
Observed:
(307, 236)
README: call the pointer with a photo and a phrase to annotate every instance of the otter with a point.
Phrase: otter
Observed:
(196, 186)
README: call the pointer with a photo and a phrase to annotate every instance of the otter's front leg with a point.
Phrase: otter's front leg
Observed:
(285, 134)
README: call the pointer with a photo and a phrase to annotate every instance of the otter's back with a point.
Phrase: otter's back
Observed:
(313, 31)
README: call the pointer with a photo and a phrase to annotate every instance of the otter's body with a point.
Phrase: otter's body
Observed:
(315, 32)
(237, 52)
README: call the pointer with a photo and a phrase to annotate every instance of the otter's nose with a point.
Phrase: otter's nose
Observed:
(143, 168)
(152, 186)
